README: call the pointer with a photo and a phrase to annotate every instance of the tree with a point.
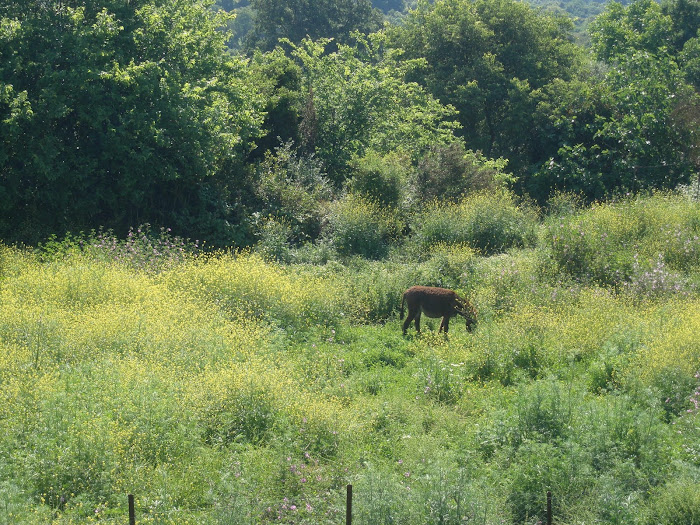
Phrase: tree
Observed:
(685, 20)
(621, 132)
(634, 125)
(296, 19)
(117, 113)
(358, 100)
(489, 59)
(388, 5)
(621, 30)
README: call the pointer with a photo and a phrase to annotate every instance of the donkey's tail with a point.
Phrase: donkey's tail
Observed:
(403, 299)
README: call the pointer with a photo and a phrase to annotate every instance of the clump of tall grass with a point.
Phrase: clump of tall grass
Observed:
(447, 266)
(246, 285)
(676, 502)
(427, 490)
(489, 223)
(670, 360)
(14, 260)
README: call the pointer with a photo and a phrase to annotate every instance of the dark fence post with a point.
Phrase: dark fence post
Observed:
(348, 507)
(549, 507)
(132, 511)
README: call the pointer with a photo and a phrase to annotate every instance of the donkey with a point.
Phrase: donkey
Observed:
(436, 302)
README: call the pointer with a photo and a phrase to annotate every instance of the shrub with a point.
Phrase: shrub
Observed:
(507, 281)
(675, 502)
(441, 380)
(274, 242)
(448, 266)
(488, 223)
(248, 286)
(562, 203)
(360, 226)
(374, 289)
(292, 190)
(538, 467)
(380, 177)
(142, 249)
(449, 172)
(669, 360)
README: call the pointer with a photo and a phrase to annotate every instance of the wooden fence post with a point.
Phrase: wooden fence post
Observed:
(348, 506)
(549, 507)
(132, 511)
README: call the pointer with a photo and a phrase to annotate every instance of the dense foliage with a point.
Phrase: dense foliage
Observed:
(298, 19)
(116, 114)
(227, 388)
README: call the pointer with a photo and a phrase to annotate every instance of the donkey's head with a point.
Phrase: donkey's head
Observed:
(466, 310)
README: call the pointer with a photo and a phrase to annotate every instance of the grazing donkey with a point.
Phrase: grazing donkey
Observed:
(436, 302)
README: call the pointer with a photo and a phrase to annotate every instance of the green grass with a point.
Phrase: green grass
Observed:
(229, 389)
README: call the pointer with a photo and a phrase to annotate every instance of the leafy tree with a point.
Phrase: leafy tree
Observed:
(489, 59)
(357, 100)
(278, 79)
(631, 125)
(621, 30)
(621, 132)
(645, 25)
(685, 20)
(690, 60)
(388, 5)
(118, 113)
(296, 19)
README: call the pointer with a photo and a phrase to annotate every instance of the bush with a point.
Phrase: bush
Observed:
(294, 191)
(360, 226)
(380, 177)
(667, 364)
(274, 243)
(676, 502)
(142, 249)
(449, 172)
(448, 266)
(375, 289)
(488, 223)
(247, 286)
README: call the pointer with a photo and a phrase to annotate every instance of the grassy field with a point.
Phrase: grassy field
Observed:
(230, 389)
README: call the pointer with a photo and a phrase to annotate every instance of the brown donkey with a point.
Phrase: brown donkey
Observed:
(436, 302)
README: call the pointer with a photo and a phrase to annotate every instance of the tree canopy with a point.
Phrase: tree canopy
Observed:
(297, 19)
(114, 114)
(118, 113)
(489, 59)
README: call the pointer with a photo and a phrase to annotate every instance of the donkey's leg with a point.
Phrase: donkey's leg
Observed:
(408, 320)
(445, 324)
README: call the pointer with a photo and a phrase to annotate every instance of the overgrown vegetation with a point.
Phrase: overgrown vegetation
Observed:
(116, 114)
(227, 388)
(245, 365)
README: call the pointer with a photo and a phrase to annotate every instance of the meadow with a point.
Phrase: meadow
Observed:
(232, 388)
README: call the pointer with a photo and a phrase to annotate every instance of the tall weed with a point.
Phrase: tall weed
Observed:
(358, 225)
